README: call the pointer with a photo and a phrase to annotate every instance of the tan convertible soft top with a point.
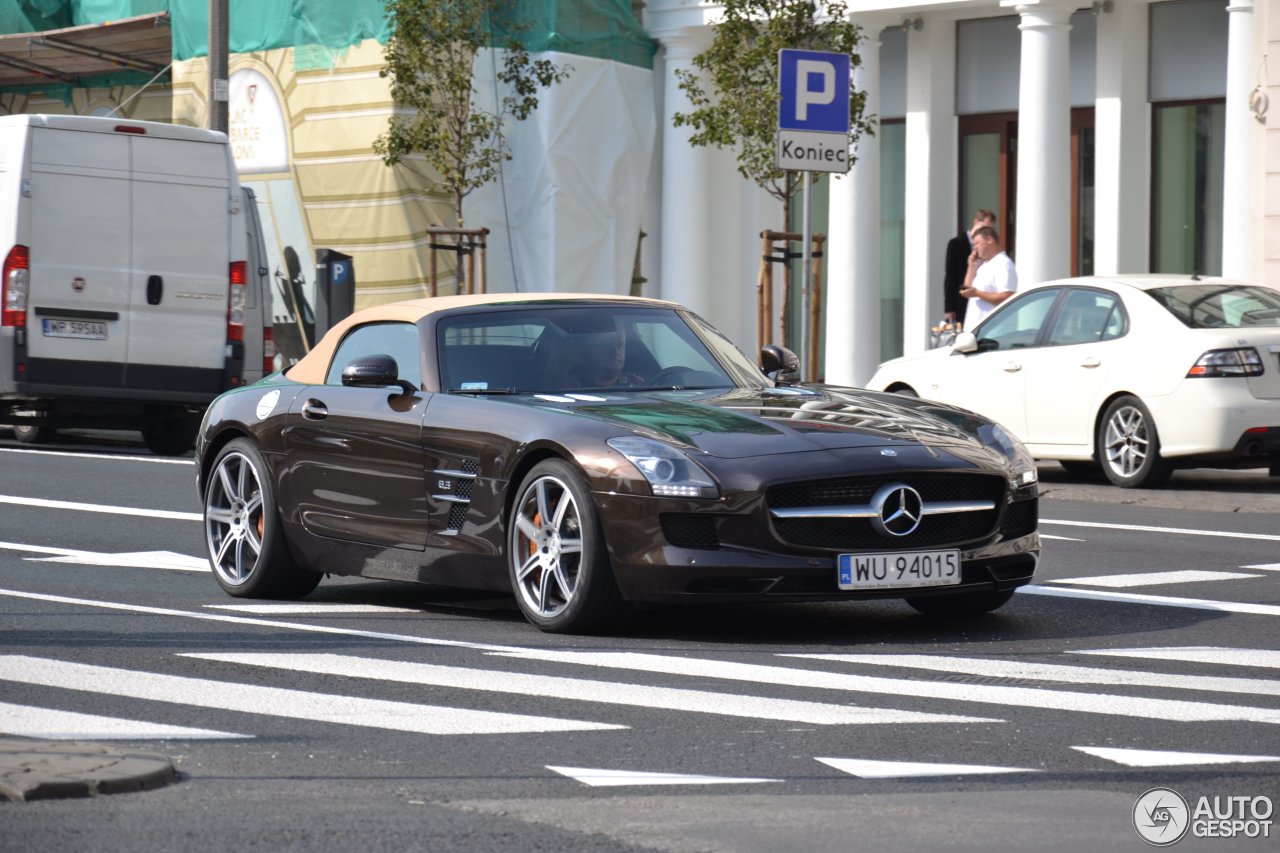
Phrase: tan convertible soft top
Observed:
(312, 368)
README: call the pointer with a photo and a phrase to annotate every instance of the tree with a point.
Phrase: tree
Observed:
(739, 109)
(429, 60)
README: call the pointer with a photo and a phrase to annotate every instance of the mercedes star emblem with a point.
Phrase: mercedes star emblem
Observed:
(898, 508)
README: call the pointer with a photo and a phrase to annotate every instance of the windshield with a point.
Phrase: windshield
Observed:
(553, 349)
(1220, 306)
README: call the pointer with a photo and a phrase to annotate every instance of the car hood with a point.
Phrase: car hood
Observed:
(749, 422)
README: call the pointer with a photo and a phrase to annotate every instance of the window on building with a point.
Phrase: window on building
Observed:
(1186, 196)
(893, 204)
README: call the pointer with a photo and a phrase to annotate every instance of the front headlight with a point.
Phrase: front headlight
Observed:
(1024, 464)
(670, 473)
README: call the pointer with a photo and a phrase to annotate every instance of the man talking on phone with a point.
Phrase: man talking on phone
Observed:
(990, 278)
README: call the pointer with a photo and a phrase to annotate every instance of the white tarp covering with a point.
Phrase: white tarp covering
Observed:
(573, 197)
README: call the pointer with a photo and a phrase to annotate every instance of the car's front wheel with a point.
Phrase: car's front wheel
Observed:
(961, 603)
(1129, 446)
(243, 531)
(556, 554)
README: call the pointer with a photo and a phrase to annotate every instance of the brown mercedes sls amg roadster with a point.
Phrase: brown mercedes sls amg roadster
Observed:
(588, 452)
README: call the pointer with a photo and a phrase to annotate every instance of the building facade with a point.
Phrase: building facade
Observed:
(1125, 136)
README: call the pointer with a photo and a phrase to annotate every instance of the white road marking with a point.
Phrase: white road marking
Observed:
(866, 769)
(1154, 600)
(1264, 567)
(1063, 538)
(162, 460)
(1143, 528)
(169, 560)
(1261, 658)
(597, 778)
(52, 724)
(582, 690)
(1021, 697)
(317, 609)
(1059, 672)
(1158, 758)
(102, 508)
(280, 702)
(1153, 578)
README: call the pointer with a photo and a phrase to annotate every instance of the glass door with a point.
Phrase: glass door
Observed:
(988, 172)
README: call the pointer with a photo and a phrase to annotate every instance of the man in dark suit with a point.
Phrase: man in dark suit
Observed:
(958, 251)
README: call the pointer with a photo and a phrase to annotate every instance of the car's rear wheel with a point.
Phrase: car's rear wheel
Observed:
(556, 554)
(961, 603)
(243, 531)
(904, 390)
(1129, 446)
(33, 433)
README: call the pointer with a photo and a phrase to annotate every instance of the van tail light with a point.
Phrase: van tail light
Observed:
(15, 285)
(268, 350)
(235, 302)
(1244, 361)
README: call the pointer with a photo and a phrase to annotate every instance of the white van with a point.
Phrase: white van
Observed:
(125, 249)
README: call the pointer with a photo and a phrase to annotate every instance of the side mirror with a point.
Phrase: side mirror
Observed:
(965, 342)
(780, 364)
(375, 371)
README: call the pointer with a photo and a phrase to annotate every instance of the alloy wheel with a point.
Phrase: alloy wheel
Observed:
(548, 546)
(233, 519)
(1128, 442)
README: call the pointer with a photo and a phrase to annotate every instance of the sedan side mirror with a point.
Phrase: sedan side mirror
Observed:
(965, 342)
(780, 364)
(375, 371)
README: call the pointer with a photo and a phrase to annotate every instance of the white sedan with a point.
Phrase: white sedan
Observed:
(1139, 374)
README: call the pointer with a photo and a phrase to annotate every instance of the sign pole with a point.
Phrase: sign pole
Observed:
(805, 294)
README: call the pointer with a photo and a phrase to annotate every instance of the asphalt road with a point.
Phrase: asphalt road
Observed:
(388, 716)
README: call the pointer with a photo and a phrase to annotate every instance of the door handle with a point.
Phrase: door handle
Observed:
(155, 289)
(1012, 367)
(314, 410)
(1090, 362)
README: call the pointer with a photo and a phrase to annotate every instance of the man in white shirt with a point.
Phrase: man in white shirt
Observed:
(990, 279)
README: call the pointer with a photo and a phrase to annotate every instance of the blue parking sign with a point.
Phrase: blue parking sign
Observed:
(813, 89)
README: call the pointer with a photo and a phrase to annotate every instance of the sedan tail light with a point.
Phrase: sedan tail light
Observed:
(1244, 361)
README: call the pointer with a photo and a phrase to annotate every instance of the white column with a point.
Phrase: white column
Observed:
(686, 197)
(1238, 174)
(931, 182)
(1043, 248)
(1122, 143)
(852, 315)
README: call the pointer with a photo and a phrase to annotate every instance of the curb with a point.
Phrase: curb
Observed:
(47, 770)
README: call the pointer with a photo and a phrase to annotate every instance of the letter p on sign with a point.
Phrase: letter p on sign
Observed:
(806, 92)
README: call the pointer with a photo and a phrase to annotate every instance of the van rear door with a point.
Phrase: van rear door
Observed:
(181, 242)
(79, 258)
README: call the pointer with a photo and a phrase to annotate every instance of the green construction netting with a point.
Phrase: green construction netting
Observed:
(605, 29)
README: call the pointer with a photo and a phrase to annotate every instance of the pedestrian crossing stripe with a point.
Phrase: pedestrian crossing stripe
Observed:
(1153, 578)
(1218, 655)
(53, 724)
(1060, 673)
(585, 690)
(1160, 758)
(867, 769)
(1153, 600)
(281, 702)
(599, 778)
(1020, 697)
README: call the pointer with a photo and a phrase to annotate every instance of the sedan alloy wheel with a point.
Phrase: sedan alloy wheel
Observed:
(1130, 447)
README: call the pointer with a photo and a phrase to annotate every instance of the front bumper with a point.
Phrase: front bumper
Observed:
(751, 563)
